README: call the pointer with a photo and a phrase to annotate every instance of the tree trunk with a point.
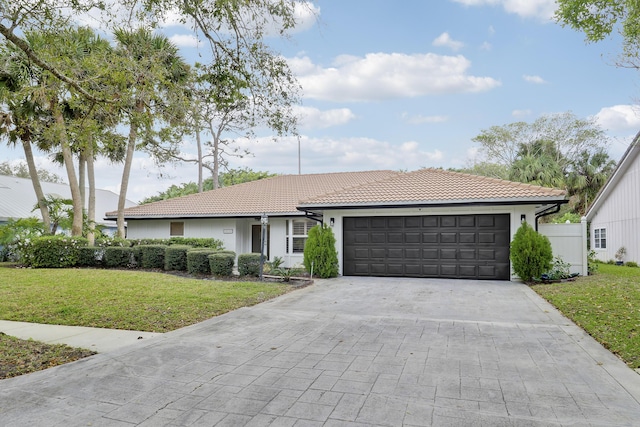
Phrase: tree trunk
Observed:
(35, 180)
(126, 171)
(78, 208)
(91, 211)
(82, 161)
(199, 145)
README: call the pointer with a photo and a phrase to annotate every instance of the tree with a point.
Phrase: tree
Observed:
(231, 177)
(21, 170)
(154, 96)
(320, 255)
(488, 169)
(568, 134)
(588, 174)
(597, 19)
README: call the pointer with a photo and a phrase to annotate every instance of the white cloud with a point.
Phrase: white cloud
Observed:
(380, 76)
(521, 113)
(445, 39)
(313, 118)
(485, 46)
(320, 155)
(534, 79)
(491, 30)
(619, 117)
(540, 9)
(420, 119)
(185, 40)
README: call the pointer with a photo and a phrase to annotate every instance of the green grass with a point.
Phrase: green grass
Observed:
(121, 299)
(21, 357)
(606, 305)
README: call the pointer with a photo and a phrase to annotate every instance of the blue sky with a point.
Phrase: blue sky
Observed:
(404, 85)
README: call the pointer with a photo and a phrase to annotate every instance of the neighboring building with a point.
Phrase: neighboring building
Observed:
(614, 215)
(426, 223)
(18, 198)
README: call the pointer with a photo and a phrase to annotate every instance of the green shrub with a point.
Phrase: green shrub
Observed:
(139, 242)
(53, 251)
(152, 256)
(90, 256)
(198, 261)
(631, 264)
(531, 253)
(320, 254)
(118, 257)
(105, 242)
(175, 257)
(15, 233)
(221, 263)
(592, 263)
(197, 242)
(249, 264)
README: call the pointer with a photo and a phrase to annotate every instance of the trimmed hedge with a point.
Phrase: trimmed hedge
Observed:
(175, 257)
(117, 257)
(194, 242)
(221, 263)
(249, 264)
(90, 256)
(53, 251)
(152, 256)
(198, 261)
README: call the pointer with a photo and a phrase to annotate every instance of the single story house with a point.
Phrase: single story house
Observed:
(426, 223)
(18, 198)
(614, 215)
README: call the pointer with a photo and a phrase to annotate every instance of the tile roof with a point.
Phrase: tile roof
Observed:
(435, 186)
(283, 194)
(276, 195)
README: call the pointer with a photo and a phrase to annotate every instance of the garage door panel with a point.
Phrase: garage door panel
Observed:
(449, 237)
(464, 246)
(378, 253)
(448, 253)
(412, 237)
(430, 237)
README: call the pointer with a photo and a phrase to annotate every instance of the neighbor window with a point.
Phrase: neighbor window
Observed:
(600, 238)
(297, 231)
(176, 229)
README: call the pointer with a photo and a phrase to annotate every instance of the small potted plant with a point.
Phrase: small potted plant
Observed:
(620, 254)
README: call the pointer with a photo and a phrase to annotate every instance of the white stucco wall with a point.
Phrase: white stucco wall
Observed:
(235, 233)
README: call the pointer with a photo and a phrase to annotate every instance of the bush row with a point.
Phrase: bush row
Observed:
(63, 251)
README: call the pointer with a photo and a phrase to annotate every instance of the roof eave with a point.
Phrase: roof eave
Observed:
(436, 203)
(204, 216)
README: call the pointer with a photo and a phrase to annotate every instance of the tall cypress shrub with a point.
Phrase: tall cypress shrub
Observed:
(531, 253)
(320, 252)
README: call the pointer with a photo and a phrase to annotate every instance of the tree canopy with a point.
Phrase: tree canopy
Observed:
(560, 150)
(226, 179)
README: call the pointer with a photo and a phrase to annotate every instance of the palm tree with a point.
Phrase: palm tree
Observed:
(17, 122)
(588, 174)
(156, 69)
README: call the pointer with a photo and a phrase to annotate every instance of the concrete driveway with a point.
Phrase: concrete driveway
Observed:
(348, 352)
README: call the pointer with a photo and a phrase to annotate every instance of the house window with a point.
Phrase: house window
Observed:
(297, 231)
(600, 238)
(176, 229)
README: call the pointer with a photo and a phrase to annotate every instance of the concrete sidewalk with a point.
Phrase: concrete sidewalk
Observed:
(96, 339)
(348, 352)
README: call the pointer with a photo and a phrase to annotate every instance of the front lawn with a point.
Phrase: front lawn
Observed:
(118, 299)
(121, 299)
(606, 305)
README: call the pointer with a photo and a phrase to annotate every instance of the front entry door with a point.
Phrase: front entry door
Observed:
(256, 231)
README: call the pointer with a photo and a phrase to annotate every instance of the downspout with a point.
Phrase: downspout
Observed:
(547, 212)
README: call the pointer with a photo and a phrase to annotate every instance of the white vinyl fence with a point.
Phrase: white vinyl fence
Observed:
(569, 241)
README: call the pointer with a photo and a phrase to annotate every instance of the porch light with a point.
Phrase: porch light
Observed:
(523, 218)
(332, 221)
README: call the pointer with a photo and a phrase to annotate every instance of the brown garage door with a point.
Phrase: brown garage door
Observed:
(447, 246)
